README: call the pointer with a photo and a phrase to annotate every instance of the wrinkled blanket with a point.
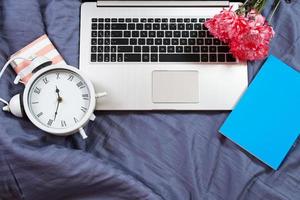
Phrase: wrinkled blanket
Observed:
(132, 155)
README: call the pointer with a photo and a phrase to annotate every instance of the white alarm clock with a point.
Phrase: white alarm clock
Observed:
(58, 99)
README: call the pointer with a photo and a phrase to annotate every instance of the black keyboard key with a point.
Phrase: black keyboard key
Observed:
(94, 33)
(107, 20)
(152, 34)
(221, 57)
(100, 20)
(193, 34)
(164, 20)
(121, 20)
(193, 20)
(204, 28)
(107, 27)
(93, 49)
(187, 20)
(135, 34)
(179, 20)
(107, 49)
(127, 20)
(119, 26)
(116, 34)
(176, 34)
(94, 26)
(179, 57)
(171, 49)
(107, 34)
(139, 26)
(137, 49)
(223, 49)
(172, 20)
(133, 41)
(154, 49)
(156, 26)
(127, 34)
(183, 41)
(144, 34)
(150, 20)
(120, 57)
(160, 34)
(157, 20)
(196, 49)
(213, 57)
(100, 41)
(145, 57)
(230, 58)
(131, 26)
(166, 41)
(158, 41)
(100, 49)
(175, 42)
(135, 20)
(107, 41)
(172, 26)
(100, 34)
(185, 34)
(179, 49)
(168, 33)
(113, 57)
(212, 49)
(125, 48)
(113, 49)
(164, 26)
(114, 20)
(204, 49)
(181, 27)
(94, 19)
(148, 26)
(100, 57)
(93, 57)
(201, 34)
(216, 42)
(191, 41)
(141, 41)
(204, 57)
(94, 41)
(154, 58)
(132, 57)
(187, 49)
(208, 41)
(143, 20)
(119, 41)
(197, 26)
(106, 58)
(150, 41)
(209, 35)
(200, 41)
(145, 49)
(100, 26)
(202, 20)
(162, 49)
(189, 27)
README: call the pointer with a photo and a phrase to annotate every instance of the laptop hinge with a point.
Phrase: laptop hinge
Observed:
(156, 3)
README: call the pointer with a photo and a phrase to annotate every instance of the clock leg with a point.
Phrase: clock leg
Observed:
(82, 133)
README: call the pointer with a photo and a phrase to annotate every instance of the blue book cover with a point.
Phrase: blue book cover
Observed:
(266, 122)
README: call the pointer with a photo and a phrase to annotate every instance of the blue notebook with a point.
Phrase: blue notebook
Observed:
(266, 121)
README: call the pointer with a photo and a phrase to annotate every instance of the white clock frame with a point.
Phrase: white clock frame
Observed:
(68, 131)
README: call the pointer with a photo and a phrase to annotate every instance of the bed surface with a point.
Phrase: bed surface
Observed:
(131, 155)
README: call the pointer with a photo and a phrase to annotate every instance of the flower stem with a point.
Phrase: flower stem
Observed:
(275, 7)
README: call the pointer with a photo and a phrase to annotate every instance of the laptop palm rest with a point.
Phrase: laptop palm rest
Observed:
(175, 86)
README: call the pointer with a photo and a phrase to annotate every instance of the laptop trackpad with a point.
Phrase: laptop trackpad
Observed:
(175, 86)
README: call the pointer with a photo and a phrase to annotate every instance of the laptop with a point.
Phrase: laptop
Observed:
(158, 55)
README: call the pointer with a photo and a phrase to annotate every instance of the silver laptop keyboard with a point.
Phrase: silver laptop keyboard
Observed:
(155, 40)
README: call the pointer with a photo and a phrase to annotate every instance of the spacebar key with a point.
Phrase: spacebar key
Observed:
(179, 57)
(132, 58)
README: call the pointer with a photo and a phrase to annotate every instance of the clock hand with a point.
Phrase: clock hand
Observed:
(59, 100)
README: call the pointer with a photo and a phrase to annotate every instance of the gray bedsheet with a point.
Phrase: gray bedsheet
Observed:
(131, 155)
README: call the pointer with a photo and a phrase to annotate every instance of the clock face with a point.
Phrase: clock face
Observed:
(59, 99)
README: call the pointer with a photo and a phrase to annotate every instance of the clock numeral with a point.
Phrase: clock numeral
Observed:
(63, 123)
(45, 80)
(40, 114)
(37, 90)
(57, 75)
(85, 96)
(71, 77)
(80, 85)
(75, 119)
(83, 109)
(50, 122)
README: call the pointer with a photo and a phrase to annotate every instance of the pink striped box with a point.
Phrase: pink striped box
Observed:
(40, 47)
